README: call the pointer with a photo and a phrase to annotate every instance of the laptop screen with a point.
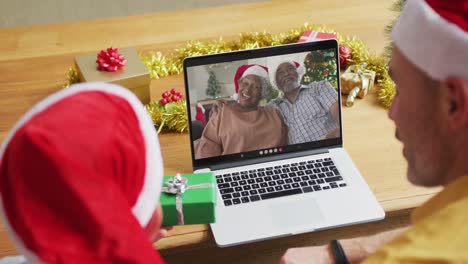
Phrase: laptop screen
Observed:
(263, 102)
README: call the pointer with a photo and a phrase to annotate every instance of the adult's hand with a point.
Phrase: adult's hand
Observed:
(215, 107)
(355, 249)
(319, 255)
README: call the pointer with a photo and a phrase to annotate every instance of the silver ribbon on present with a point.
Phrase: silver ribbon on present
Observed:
(177, 186)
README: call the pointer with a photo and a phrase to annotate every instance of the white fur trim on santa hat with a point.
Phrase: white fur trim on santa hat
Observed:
(255, 70)
(252, 70)
(201, 107)
(434, 45)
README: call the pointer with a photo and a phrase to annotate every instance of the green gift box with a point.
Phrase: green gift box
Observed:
(196, 195)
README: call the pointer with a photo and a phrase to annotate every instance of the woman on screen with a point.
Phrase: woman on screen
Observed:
(245, 125)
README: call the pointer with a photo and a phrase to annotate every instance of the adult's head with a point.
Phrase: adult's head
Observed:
(80, 178)
(430, 110)
(286, 74)
(252, 85)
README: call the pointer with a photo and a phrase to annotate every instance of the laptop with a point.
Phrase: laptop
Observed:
(267, 189)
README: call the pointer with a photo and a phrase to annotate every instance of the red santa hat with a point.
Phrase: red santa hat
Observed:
(80, 178)
(274, 63)
(433, 35)
(249, 69)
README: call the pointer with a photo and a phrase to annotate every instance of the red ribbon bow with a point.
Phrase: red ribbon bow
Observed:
(110, 60)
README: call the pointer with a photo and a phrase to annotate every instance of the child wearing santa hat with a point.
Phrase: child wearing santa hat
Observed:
(80, 178)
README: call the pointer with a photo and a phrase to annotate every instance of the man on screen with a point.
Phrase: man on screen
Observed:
(310, 112)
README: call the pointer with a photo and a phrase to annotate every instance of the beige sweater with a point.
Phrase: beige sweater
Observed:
(231, 131)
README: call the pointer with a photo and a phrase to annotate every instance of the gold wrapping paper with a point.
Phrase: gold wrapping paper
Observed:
(133, 76)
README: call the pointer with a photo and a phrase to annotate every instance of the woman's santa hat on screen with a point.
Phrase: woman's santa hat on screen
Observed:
(80, 178)
(248, 69)
(275, 63)
(433, 35)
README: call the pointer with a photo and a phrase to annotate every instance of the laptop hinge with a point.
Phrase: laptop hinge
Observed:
(268, 159)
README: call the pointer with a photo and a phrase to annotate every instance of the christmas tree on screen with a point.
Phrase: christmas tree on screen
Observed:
(320, 65)
(214, 87)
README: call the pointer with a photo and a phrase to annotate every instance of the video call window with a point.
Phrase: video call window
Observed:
(264, 103)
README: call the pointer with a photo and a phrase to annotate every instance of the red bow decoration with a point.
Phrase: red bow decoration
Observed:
(110, 60)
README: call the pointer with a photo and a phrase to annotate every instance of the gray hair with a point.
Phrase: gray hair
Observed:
(266, 87)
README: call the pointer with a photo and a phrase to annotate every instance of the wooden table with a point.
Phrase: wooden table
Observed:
(34, 60)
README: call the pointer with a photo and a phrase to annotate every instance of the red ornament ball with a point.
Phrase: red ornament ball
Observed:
(345, 54)
(163, 101)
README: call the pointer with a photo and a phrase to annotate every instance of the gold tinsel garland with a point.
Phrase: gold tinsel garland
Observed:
(72, 77)
(171, 117)
(160, 65)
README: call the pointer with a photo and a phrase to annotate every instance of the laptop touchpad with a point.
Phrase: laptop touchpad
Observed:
(304, 212)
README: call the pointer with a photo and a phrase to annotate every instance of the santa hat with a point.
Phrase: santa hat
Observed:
(275, 63)
(80, 178)
(433, 35)
(249, 69)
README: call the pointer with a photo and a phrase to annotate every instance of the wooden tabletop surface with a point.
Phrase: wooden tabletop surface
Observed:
(34, 60)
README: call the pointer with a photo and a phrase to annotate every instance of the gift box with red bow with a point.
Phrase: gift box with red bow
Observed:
(311, 35)
(133, 75)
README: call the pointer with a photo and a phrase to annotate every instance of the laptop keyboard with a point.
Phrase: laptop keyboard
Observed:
(278, 181)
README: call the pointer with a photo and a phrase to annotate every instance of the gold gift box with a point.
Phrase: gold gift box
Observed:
(133, 76)
(356, 81)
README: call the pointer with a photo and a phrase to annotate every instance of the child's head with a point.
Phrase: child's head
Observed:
(80, 178)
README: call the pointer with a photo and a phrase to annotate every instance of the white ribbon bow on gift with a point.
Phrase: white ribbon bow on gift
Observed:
(178, 185)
